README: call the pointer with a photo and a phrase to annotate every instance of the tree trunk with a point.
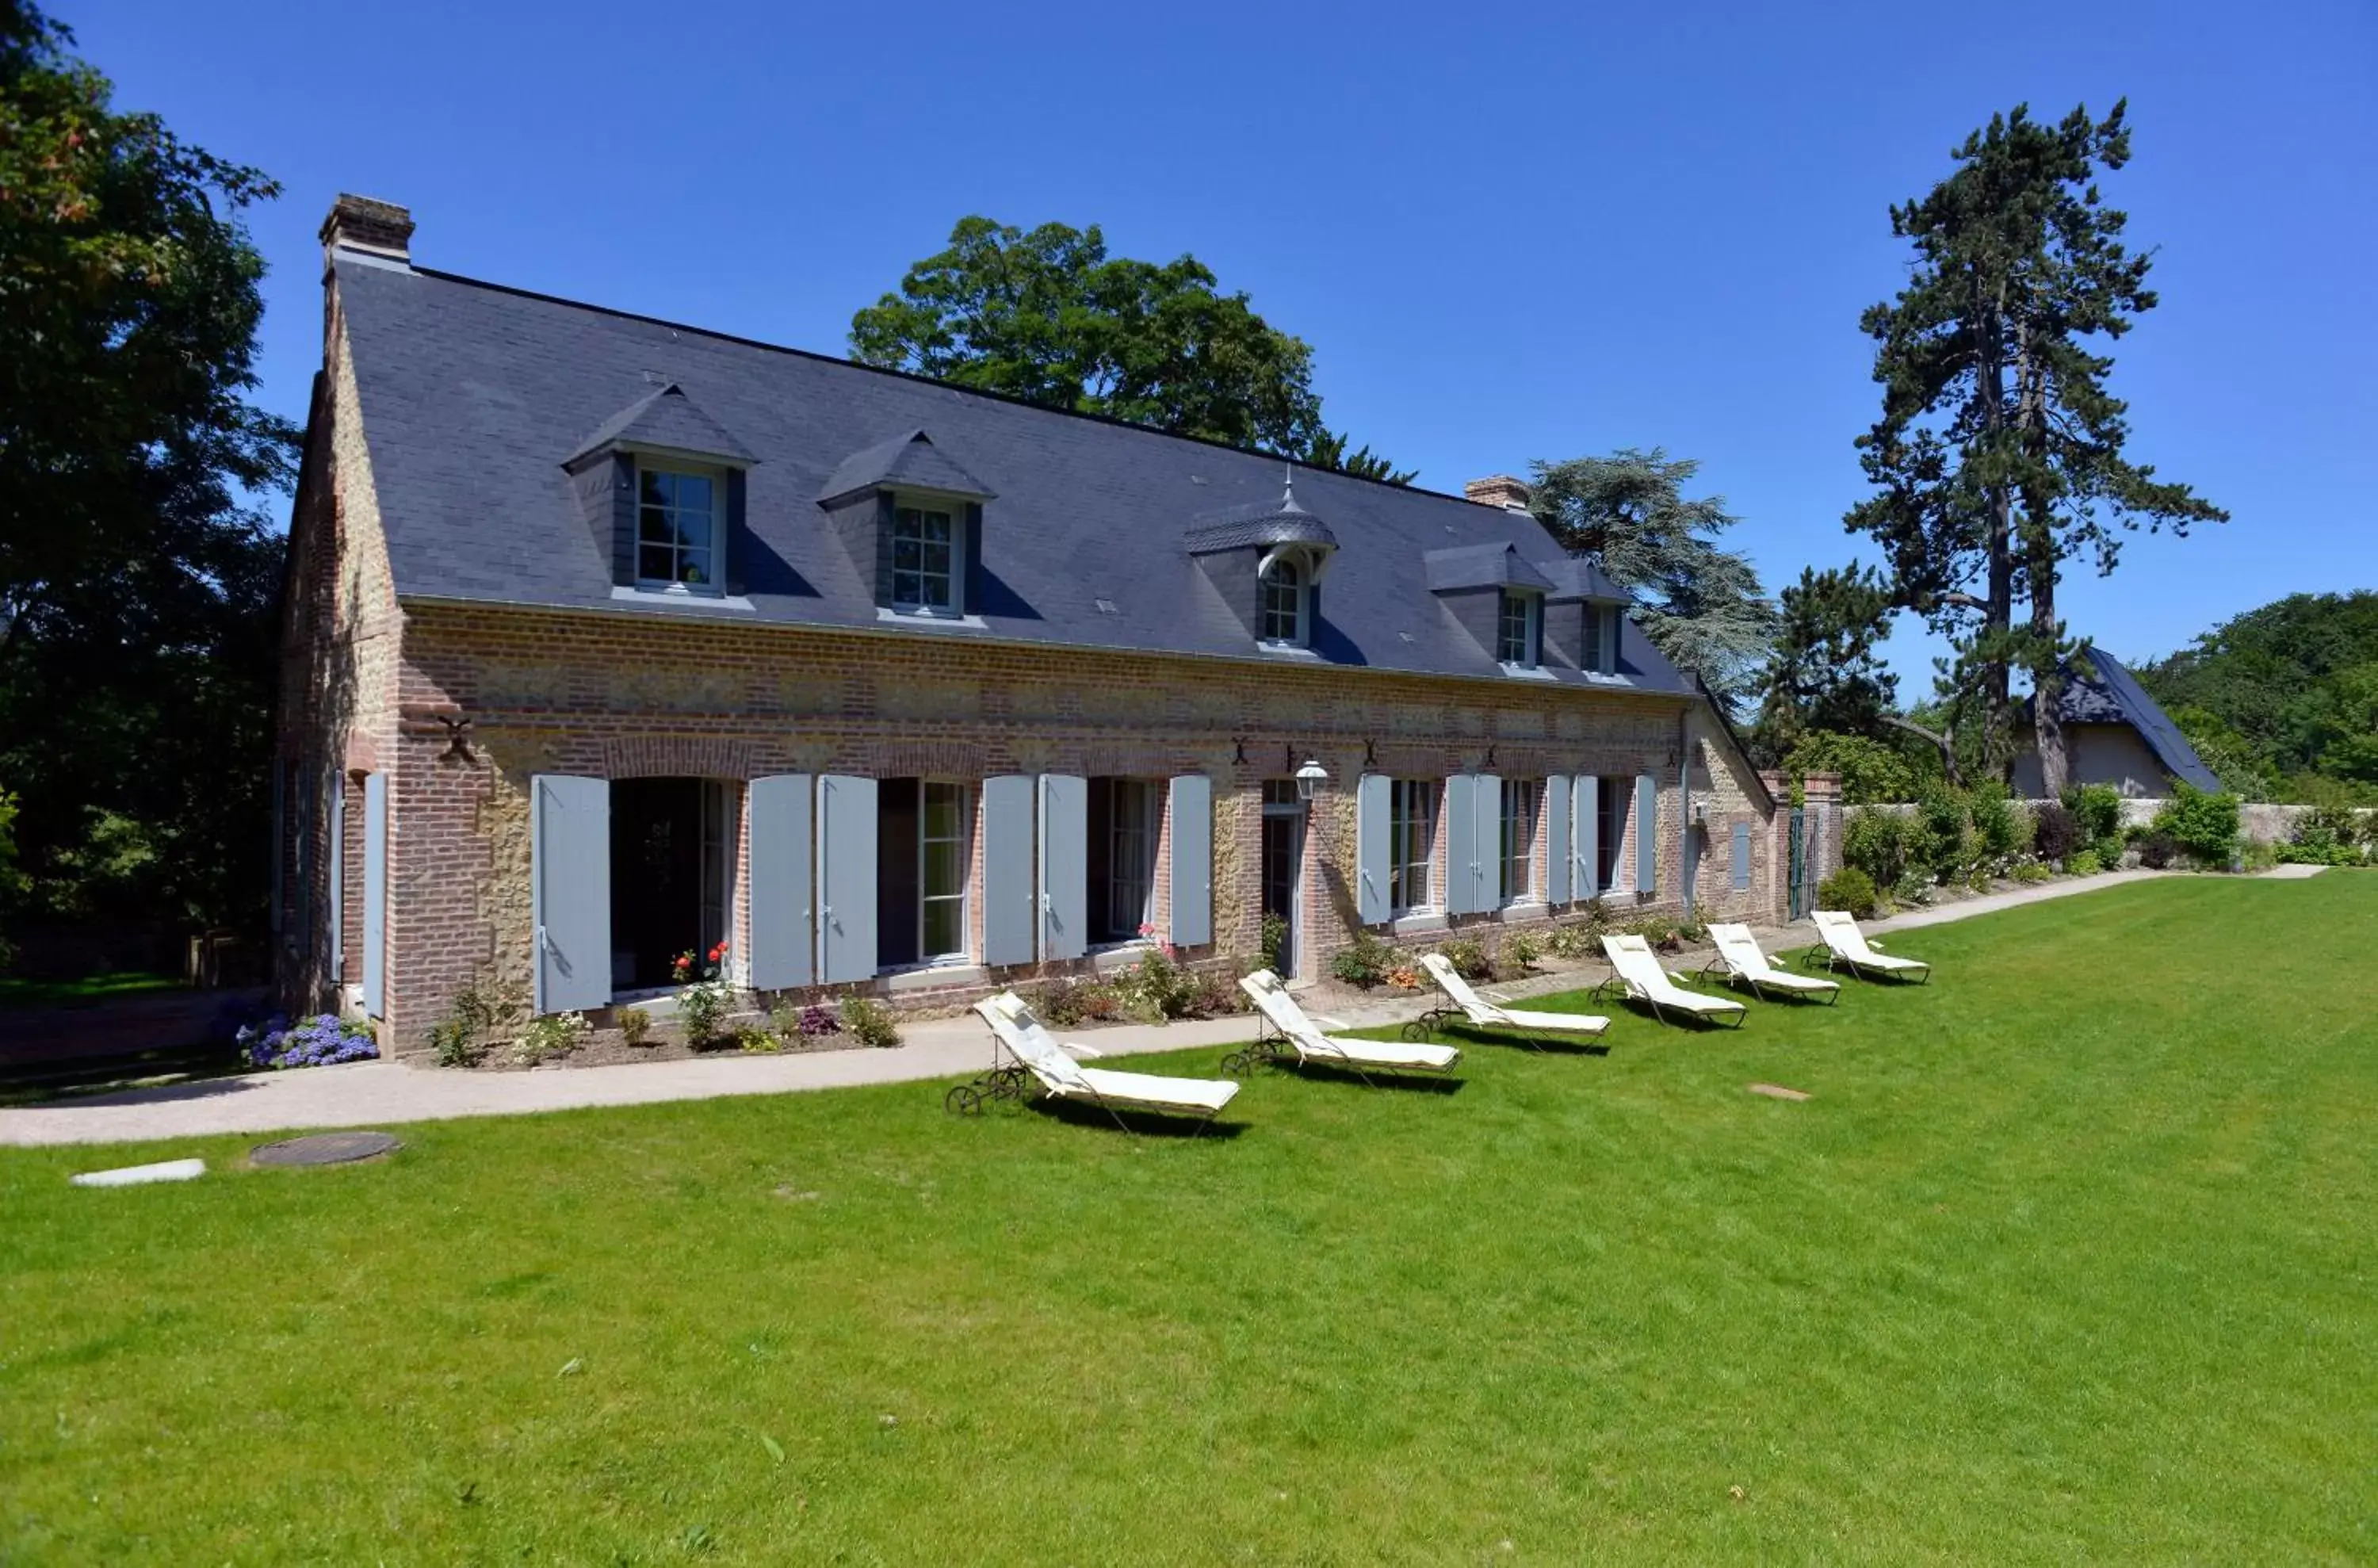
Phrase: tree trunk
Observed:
(2040, 570)
(1998, 611)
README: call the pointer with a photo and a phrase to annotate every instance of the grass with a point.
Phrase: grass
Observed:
(2069, 1257)
(88, 991)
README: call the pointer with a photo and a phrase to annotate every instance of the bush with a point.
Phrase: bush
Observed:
(2157, 848)
(1363, 962)
(2001, 831)
(1068, 1002)
(2031, 871)
(1879, 843)
(1942, 839)
(1571, 939)
(1157, 988)
(2204, 825)
(2097, 816)
(635, 1025)
(869, 1022)
(2055, 836)
(322, 1041)
(555, 1034)
(2084, 862)
(1522, 949)
(1274, 937)
(1848, 888)
(451, 1044)
(817, 1020)
(755, 1040)
(2339, 824)
(2318, 851)
(1468, 958)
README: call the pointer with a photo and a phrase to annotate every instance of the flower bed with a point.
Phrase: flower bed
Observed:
(319, 1041)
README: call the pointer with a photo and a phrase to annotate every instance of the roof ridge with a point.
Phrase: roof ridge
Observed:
(1009, 399)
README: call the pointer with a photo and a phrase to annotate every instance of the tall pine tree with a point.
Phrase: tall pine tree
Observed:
(1999, 454)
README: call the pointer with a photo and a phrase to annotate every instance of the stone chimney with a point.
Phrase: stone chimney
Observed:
(1498, 489)
(373, 227)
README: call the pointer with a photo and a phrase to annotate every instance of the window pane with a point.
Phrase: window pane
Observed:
(942, 810)
(907, 555)
(945, 931)
(937, 525)
(944, 869)
(934, 593)
(907, 588)
(655, 563)
(693, 493)
(653, 487)
(653, 526)
(936, 559)
(693, 566)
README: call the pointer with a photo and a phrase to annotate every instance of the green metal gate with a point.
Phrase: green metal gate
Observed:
(1799, 884)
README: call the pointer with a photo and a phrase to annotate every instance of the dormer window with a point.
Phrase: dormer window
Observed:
(1518, 625)
(680, 516)
(1284, 585)
(925, 569)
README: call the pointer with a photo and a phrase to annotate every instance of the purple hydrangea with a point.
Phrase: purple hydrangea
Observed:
(319, 1041)
(817, 1020)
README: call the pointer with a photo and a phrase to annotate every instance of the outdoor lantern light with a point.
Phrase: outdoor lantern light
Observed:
(1312, 773)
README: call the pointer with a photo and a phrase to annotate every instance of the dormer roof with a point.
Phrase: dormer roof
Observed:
(1260, 526)
(664, 418)
(911, 460)
(1576, 577)
(1494, 565)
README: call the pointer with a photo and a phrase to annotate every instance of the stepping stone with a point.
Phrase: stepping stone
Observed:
(135, 1175)
(325, 1149)
(1777, 1091)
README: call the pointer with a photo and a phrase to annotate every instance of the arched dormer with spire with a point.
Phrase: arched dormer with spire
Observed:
(1268, 560)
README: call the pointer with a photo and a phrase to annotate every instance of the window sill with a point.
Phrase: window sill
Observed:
(1603, 678)
(1528, 907)
(680, 597)
(1112, 958)
(929, 977)
(1528, 672)
(1412, 922)
(927, 617)
(1286, 650)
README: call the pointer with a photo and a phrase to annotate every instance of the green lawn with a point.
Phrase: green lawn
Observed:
(2070, 1258)
(90, 991)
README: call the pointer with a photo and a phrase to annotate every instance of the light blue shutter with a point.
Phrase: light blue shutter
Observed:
(1647, 833)
(570, 863)
(1486, 844)
(1460, 844)
(1557, 870)
(1064, 865)
(1585, 842)
(845, 817)
(1009, 918)
(1373, 793)
(375, 896)
(1742, 857)
(1192, 828)
(784, 934)
(338, 878)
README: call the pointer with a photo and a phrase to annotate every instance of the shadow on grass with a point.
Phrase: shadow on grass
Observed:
(1147, 1124)
(1467, 1035)
(1376, 1077)
(1699, 1023)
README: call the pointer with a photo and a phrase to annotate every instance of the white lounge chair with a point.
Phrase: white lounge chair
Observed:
(1740, 959)
(1052, 1067)
(1298, 1037)
(1847, 946)
(1491, 1012)
(1638, 975)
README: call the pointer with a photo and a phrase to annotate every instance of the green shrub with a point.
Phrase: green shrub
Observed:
(1468, 957)
(452, 1044)
(555, 1034)
(755, 1040)
(1522, 949)
(2336, 825)
(1157, 988)
(2083, 862)
(1571, 939)
(2002, 829)
(1363, 962)
(1942, 839)
(635, 1024)
(2097, 815)
(1849, 888)
(1879, 843)
(1066, 1002)
(870, 1022)
(2206, 825)
(1274, 939)
(2157, 848)
(2031, 871)
(2054, 833)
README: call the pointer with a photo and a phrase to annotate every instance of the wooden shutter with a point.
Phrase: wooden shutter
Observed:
(846, 838)
(1485, 844)
(1373, 796)
(1742, 857)
(1585, 841)
(337, 880)
(570, 855)
(1647, 833)
(1557, 867)
(784, 902)
(1460, 844)
(1064, 865)
(1192, 837)
(375, 896)
(1009, 917)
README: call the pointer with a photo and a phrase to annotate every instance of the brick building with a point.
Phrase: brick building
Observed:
(606, 639)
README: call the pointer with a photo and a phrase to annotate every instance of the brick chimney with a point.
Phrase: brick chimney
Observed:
(371, 226)
(1498, 489)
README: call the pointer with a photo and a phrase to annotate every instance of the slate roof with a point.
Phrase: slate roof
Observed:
(1496, 565)
(2113, 695)
(911, 459)
(472, 397)
(665, 417)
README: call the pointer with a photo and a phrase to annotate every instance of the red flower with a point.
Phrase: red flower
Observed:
(718, 952)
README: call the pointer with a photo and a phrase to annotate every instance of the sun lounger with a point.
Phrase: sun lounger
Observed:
(1846, 945)
(1740, 960)
(1489, 1012)
(1297, 1036)
(1052, 1067)
(1639, 975)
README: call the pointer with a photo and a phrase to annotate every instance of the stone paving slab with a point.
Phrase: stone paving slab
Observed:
(360, 1093)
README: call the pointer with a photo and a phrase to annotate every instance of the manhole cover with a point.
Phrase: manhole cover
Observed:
(324, 1149)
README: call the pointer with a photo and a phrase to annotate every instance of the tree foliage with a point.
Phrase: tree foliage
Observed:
(1826, 672)
(1047, 315)
(1999, 454)
(137, 569)
(2281, 698)
(1701, 605)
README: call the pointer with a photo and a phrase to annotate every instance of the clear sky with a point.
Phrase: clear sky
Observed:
(1509, 233)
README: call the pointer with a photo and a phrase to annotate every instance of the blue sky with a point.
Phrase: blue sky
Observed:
(1508, 233)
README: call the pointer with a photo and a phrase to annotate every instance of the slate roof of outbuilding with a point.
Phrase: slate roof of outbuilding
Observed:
(474, 396)
(2111, 694)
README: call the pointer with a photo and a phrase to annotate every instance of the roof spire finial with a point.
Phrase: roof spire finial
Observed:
(1287, 488)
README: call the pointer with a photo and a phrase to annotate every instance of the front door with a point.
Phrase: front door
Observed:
(1283, 864)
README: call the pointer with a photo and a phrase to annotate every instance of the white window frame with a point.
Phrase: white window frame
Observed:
(1404, 856)
(712, 586)
(1300, 611)
(1521, 799)
(921, 507)
(964, 840)
(1531, 630)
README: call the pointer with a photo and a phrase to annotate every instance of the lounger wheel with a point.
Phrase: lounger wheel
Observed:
(965, 1100)
(1238, 1064)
